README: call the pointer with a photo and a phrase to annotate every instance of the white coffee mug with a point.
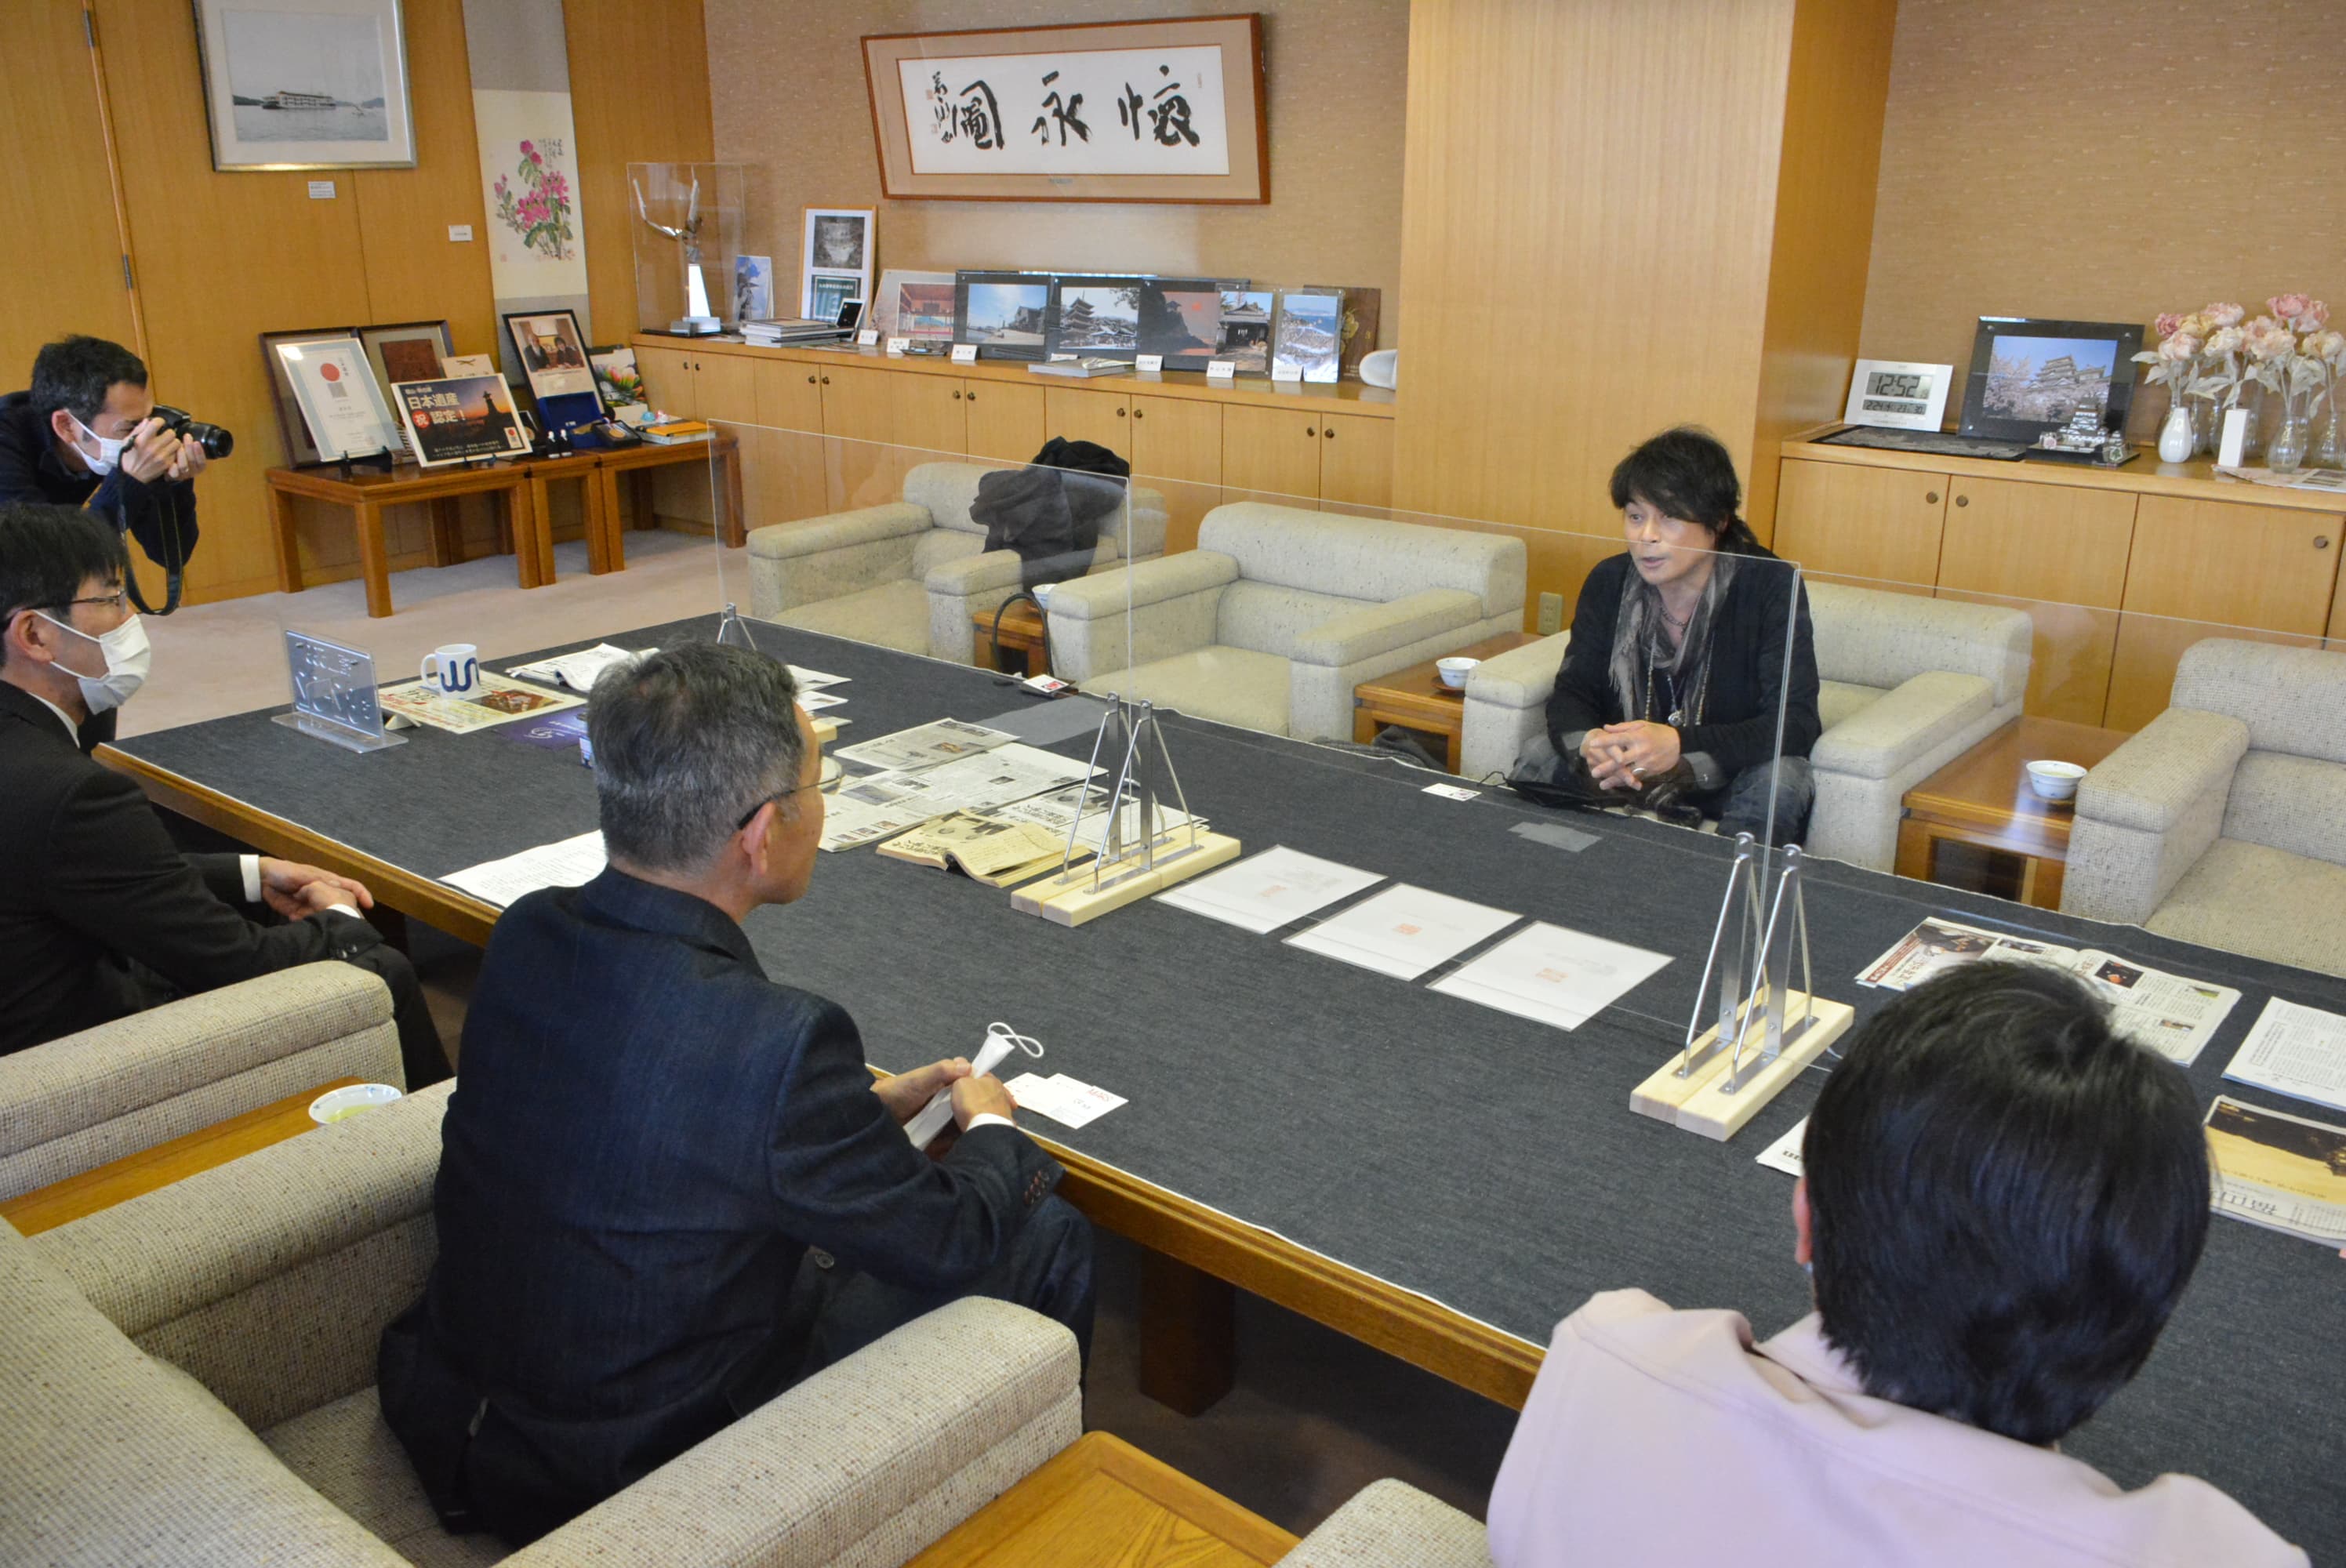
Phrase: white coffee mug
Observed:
(459, 668)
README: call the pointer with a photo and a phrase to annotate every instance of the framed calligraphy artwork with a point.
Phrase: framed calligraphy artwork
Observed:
(1100, 111)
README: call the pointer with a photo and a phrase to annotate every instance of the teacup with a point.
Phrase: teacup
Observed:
(1454, 671)
(2055, 780)
(455, 667)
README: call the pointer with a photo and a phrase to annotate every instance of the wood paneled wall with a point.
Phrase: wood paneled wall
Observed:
(220, 259)
(787, 91)
(2104, 160)
(1617, 218)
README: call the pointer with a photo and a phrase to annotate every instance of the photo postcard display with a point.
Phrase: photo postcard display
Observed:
(915, 305)
(1308, 334)
(1006, 315)
(552, 352)
(1121, 316)
(2029, 376)
(836, 266)
(343, 410)
(460, 419)
(1246, 331)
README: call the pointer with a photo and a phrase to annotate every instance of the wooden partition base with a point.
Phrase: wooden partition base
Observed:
(1071, 900)
(1699, 1102)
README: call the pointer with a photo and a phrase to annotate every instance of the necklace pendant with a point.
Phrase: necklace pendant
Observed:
(1678, 718)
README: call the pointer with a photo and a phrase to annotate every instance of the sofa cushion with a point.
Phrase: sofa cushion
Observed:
(2292, 803)
(114, 1458)
(1839, 701)
(1234, 685)
(1391, 1521)
(893, 615)
(2293, 700)
(1272, 620)
(2247, 898)
(346, 1451)
(947, 489)
(1884, 638)
(1361, 558)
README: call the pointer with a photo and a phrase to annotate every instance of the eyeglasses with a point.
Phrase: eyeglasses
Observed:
(119, 600)
(826, 781)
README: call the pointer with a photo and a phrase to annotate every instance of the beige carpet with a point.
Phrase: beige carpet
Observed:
(229, 657)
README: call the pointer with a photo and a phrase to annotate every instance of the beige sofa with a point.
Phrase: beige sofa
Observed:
(188, 1379)
(1391, 1525)
(1279, 613)
(2223, 821)
(82, 1100)
(909, 575)
(1904, 686)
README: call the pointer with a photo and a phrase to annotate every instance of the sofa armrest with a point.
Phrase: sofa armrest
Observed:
(793, 565)
(270, 1279)
(1506, 705)
(84, 1099)
(1902, 724)
(1362, 633)
(868, 1460)
(1167, 607)
(840, 530)
(2147, 812)
(1392, 1523)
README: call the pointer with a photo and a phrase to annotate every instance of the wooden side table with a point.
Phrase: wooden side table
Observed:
(1022, 632)
(607, 514)
(132, 1176)
(367, 492)
(1415, 698)
(1983, 797)
(1103, 1501)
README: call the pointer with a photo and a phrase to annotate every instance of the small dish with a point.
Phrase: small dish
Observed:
(341, 1104)
(1454, 671)
(2055, 780)
(1042, 592)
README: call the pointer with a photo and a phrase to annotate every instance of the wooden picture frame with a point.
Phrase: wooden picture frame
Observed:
(1120, 111)
(2047, 348)
(396, 349)
(305, 84)
(333, 387)
(552, 351)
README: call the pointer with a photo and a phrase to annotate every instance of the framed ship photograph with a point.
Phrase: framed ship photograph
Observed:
(305, 84)
(460, 419)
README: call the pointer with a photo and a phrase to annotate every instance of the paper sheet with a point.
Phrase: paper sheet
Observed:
(926, 746)
(1070, 1102)
(577, 671)
(2278, 1170)
(497, 700)
(1784, 1153)
(1056, 809)
(813, 679)
(1404, 931)
(1265, 892)
(2294, 1050)
(567, 863)
(1552, 975)
(879, 805)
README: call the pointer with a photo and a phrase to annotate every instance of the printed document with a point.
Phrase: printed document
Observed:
(579, 671)
(1070, 1102)
(813, 679)
(568, 863)
(880, 805)
(1404, 931)
(1265, 892)
(2278, 1170)
(1056, 809)
(2294, 1050)
(496, 699)
(2173, 1016)
(1784, 1153)
(908, 750)
(1552, 975)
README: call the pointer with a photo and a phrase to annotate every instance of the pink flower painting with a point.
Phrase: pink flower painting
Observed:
(537, 207)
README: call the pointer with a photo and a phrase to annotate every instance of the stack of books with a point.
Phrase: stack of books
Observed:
(674, 431)
(1081, 369)
(789, 330)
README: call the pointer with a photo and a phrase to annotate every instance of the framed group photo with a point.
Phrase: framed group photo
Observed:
(552, 352)
(305, 84)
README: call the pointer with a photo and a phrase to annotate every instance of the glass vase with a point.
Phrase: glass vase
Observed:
(2330, 451)
(2253, 397)
(2285, 452)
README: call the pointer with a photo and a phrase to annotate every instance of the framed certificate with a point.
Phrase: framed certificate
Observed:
(336, 392)
(460, 419)
(1897, 396)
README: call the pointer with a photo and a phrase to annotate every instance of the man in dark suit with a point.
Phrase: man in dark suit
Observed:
(670, 1188)
(99, 915)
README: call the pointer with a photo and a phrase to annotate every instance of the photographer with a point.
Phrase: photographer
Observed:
(87, 434)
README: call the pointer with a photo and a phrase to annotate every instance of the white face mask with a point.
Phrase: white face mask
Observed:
(109, 453)
(127, 658)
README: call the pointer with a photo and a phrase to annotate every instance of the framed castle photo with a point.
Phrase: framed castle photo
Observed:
(305, 84)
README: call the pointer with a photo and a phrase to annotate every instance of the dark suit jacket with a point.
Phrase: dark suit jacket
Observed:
(646, 1137)
(161, 517)
(100, 915)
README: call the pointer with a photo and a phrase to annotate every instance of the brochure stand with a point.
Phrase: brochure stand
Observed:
(1157, 856)
(1725, 1074)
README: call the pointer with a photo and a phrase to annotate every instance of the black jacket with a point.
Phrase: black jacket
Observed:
(1747, 667)
(100, 915)
(1050, 511)
(645, 1137)
(161, 517)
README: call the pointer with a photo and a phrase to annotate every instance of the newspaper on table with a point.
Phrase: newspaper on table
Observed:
(578, 671)
(2279, 1171)
(2173, 1016)
(881, 805)
(497, 700)
(564, 864)
(2294, 1050)
(985, 847)
(926, 746)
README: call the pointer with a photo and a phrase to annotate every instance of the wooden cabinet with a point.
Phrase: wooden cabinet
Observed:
(2058, 552)
(692, 384)
(667, 380)
(1356, 461)
(931, 416)
(1271, 454)
(1103, 418)
(864, 466)
(1878, 527)
(1176, 450)
(2215, 569)
(781, 455)
(1004, 423)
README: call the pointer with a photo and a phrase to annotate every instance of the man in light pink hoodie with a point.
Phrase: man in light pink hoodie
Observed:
(2004, 1201)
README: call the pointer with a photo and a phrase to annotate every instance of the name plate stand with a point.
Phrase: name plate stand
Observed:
(1762, 1038)
(1155, 858)
(335, 694)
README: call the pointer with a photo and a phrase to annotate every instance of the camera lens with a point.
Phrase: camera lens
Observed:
(210, 439)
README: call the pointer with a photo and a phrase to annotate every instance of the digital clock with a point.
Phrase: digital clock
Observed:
(1898, 395)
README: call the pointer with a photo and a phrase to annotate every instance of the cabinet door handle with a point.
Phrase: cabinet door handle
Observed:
(826, 381)
(2321, 541)
(1963, 500)
(1119, 412)
(810, 380)
(1329, 434)
(1308, 433)
(1929, 498)
(956, 397)
(1139, 412)
(972, 397)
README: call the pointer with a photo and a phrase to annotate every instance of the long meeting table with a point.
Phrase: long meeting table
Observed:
(1439, 1179)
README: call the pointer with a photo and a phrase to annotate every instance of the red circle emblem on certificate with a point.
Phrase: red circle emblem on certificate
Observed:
(330, 372)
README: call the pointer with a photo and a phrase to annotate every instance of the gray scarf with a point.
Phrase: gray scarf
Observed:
(1641, 646)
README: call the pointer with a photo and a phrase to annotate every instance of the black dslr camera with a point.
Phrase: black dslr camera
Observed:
(210, 439)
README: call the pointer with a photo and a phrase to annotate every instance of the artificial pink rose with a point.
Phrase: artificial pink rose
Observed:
(2165, 326)
(2179, 348)
(2324, 345)
(2226, 341)
(2225, 315)
(2268, 339)
(2314, 316)
(2287, 307)
(2199, 324)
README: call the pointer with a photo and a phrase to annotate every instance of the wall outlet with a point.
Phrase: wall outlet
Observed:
(1551, 619)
